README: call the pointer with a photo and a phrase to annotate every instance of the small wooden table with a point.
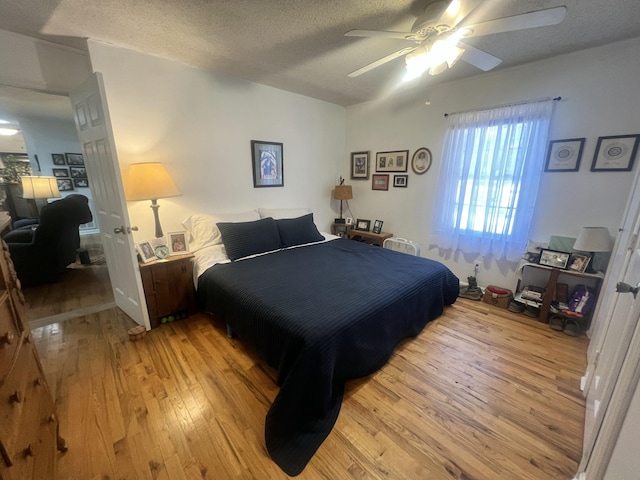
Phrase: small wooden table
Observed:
(369, 237)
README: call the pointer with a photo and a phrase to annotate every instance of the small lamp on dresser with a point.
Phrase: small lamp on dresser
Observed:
(594, 240)
(342, 192)
(150, 181)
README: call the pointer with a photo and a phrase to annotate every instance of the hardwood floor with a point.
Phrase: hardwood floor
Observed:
(481, 393)
(81, 290)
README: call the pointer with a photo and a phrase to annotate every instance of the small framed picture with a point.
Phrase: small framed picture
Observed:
(74, 158)
(400, 181)
(564, 155)
(392, 161)
(578, 262)
(554, 258)
(81, 182)
(363, 225)
(64, 184)
(267, 162)
(146, 251)
(360, 165)
(421, 160)
(58, 158)
(178, 244)
(377, 226)
(379, 182)
(615, 154)
(60, 172)
(78, 172)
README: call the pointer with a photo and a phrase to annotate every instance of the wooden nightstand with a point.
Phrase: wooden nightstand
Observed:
(341, 229)
(370, 237)
(168, 288)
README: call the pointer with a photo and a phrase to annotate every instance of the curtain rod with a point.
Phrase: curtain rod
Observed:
(556, 99)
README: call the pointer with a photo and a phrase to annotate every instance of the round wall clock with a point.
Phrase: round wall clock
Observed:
(421, 161)
(162, 251)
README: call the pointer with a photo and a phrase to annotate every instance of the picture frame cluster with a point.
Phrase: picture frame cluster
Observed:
(615, 153)
(174, 243)
(70, 171)
(387, 163)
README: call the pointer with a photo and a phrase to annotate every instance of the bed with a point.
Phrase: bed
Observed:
(320, 313)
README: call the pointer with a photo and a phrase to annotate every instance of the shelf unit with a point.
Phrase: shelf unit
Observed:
(548, 278)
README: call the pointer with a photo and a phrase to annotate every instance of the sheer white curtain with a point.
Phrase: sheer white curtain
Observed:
(489, 178)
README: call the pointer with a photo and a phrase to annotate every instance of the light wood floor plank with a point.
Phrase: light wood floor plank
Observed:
(481, 393)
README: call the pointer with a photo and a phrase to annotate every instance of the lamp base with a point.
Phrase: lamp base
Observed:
(339, 220)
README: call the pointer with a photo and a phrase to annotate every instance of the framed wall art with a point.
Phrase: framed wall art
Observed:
(78, 172)
(392, 161)
(58, 158)
(74, 158)
(564, 155)
(421, 160)
(360, 165)
(554, 258)
(400, 181)
(268, 164)
(363, 225)
(379, 182)
(81, 182)
(615, 154)
(64, 184)
(60, 172)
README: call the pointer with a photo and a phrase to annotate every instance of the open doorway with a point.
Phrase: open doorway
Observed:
(48, 141)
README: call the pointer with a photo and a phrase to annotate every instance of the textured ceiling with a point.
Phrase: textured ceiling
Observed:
(298, 45)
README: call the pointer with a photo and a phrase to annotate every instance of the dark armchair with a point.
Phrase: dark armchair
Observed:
(41, 252)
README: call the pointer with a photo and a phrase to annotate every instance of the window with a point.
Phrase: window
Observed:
(489, 179)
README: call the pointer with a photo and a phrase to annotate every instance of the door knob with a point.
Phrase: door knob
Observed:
(119, 230)
(129, 229)
(622, 287)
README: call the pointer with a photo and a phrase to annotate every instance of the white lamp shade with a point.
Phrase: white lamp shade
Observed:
(39, 187)
(593, 239)
(148, 181)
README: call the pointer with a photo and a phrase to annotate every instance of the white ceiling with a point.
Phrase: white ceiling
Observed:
(298, 45)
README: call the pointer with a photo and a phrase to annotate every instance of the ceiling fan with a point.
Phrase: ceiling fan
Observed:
(438, 34)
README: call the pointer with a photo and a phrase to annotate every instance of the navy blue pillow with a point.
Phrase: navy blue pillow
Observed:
(242, 239)
(298, 231)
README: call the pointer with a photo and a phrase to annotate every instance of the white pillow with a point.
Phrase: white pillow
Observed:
(280, 213)
(203, 231)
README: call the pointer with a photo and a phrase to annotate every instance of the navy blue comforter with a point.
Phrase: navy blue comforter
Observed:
(321, 315)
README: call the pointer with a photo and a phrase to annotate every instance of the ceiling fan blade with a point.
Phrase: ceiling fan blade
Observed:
(380, 33)
(478, 58)
(541, 18)
(457, 11)
(382, 61)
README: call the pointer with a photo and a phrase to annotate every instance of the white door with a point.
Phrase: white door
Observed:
(614, 333)
(93, 124)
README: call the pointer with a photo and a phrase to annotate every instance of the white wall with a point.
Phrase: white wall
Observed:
(200, 125)
(599, 98)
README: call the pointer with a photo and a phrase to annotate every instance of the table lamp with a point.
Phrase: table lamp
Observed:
(34, 188)
(149, 181)
(593, 240)
(342, 192)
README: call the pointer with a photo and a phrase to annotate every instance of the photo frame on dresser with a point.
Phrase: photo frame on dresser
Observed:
(554, 258)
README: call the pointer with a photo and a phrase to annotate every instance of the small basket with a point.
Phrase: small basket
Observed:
(497, 296)
(137, 333)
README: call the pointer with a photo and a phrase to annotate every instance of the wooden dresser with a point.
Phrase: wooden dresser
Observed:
(28, 423)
